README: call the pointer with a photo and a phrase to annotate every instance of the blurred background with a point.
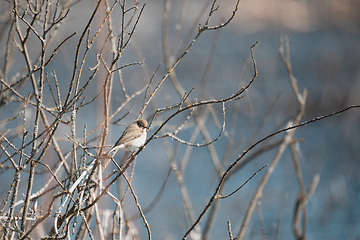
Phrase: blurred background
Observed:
(324, 41)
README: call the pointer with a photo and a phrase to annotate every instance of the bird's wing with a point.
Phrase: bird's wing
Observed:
(126, 137)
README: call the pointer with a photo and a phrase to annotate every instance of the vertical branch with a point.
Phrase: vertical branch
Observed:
(107, 84)
(74, 167)
(229, 230)
(77, 52)
(301, 197)
(138, 206)
(38, 92)
(98, 222)
(277, 236)
(8, 60)
(16, 180)
(261, 220)
(188, 208)
(286, 141)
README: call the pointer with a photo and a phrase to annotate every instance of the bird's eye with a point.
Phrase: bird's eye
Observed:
(140, 124)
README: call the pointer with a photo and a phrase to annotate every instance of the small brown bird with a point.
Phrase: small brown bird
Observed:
(133, 137)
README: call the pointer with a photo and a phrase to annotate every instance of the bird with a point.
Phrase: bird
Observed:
(134, 136)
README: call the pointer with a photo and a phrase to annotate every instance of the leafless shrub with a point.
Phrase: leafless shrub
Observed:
(42, 113)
